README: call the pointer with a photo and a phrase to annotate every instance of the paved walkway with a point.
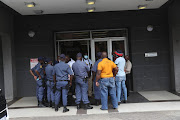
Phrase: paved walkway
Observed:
(123, 108)
(164, 115)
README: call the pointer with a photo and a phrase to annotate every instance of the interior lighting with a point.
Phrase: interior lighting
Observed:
(141, 7)
(30, 5)
(90, 2)
(91, 9)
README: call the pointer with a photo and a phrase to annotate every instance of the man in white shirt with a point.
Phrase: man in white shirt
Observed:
(89, 64)
(120, 76)
(128, 68)
(70, 62)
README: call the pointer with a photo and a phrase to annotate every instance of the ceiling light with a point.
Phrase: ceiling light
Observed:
(142, 7)
(90, 2)
(30, 5)
(91, 9)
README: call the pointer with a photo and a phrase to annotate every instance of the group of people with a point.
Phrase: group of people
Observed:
(105, 76)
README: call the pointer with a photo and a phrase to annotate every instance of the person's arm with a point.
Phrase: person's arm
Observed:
(115, 71)
(35, 77)
(98, 77)
(54, 75)
(38, 74)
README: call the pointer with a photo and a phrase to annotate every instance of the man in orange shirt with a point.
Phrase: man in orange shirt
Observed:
(107, 82)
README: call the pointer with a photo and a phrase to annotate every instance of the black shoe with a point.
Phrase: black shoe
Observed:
(56, 108)
(125, 101)
(87, 106)
(53, 105)
(78, 106)
(65, 110)
(47, 104)
(38, 103)
(119, 103)
(50, 104)
(41, 104)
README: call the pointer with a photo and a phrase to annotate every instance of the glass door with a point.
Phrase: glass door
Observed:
(109, 45)
(99, 45)
(118, 44)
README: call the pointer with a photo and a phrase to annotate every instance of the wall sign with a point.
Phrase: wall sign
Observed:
(33, 62)
(151, 54)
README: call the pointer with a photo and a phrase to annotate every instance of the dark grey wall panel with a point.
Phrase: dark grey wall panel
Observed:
(140, 41)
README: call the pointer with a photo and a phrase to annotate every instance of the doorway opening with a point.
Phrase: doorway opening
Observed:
(91, 42)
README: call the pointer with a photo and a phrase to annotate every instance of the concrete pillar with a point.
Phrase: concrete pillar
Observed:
(9, 80)
(174, 26)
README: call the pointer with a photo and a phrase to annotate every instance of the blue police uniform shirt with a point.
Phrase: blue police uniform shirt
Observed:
(40, 69)
(80, 69)
(94, 68)
(62, 70)
(49, 72)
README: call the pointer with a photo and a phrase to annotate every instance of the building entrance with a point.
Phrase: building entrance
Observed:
(91, 42)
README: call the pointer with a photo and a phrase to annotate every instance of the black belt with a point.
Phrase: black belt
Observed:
(62, 80)
(50, 80)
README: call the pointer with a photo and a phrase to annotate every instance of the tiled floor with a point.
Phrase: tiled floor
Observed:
(123, 108)
(27, 106)
(154, 96)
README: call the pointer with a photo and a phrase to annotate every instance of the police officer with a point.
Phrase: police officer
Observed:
(50, 83)
(81, 74)
(38, 73)
(61, 72)
(97, 91)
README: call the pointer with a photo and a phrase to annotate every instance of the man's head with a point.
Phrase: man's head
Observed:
(86, 56)
(119, 53)
(126, 57)
(41, 60)
(79, 56)
(49, 61)
(67, 59)
(104, 55)
(62, 57)
(99, 55)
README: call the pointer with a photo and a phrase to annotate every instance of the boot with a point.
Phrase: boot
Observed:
(65, 109)
(38, 102)
(56, 108)
(97, 102)
(53, 105)
(78, 106)
(87, 106)
(48, 104)
(41, 104)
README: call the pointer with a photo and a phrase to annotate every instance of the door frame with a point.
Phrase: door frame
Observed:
(109, 46)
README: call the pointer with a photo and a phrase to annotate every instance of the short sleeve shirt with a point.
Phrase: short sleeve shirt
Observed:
(106, 66)
(49, 72)
(40, 69)
(80, 69)
(120, 62)
(62, 70)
